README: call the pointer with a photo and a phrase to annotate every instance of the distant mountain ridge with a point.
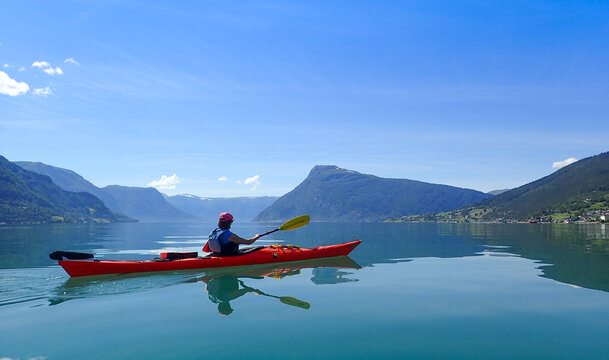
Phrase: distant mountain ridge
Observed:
(145, 204)
(572, 191)
(330, 193)
(29, 197)
(242, 208)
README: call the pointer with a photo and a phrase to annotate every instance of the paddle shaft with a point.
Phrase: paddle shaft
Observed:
(270, 232)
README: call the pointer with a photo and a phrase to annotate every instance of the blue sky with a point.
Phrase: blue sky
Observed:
(478, 94)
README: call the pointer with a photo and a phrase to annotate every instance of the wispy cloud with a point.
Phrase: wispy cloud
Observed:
(8, 66)
(43, 92)
(51, 71)
(12, 87)
(47, 68)
(71, 60)
(166, 182)
(41, 64)
(563, 163)
(255, 180)
(222, 178)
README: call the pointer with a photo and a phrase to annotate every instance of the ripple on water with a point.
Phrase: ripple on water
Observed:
(24, 285)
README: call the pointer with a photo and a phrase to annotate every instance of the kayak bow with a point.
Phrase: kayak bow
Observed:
(264, 255)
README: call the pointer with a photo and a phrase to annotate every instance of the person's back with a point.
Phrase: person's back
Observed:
(220, 244)
(222, 241)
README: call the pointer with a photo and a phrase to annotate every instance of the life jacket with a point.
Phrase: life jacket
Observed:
(219, 243)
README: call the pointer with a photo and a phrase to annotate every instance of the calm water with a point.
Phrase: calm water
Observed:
(424, 291)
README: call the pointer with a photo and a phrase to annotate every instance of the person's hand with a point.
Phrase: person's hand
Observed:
(257, 236)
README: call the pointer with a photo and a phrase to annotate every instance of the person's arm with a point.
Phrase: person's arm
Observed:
(239, 240)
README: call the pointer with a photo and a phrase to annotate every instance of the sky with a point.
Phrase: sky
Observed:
(222, 98)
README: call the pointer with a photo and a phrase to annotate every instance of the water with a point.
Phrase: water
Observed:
(443, 291)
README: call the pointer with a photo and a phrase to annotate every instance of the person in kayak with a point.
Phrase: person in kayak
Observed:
(222, 241)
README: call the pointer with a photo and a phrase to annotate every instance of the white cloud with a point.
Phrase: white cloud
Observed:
(71, 61)
(563, 163)
(222, 178)
(166, 182)
(12, 87)
(21, 69)
(47, 68)
(52, 71)
(43, 92)
(41, 64)
(252, 180)
(255, 180)
(8, 66)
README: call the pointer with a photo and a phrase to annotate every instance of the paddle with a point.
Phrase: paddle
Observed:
(288, 300)
(295, 223)
(59, 255)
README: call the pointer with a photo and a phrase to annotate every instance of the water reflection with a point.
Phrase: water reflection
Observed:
(222, 285)
(576, 254)
(571, 253)
(223, 289)
(388, 242)
(568, 253)
(25, 246)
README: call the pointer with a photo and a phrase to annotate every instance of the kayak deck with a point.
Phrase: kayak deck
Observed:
(266, 255)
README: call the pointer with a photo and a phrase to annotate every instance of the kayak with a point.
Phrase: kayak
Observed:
(260, 255)
(92, 286)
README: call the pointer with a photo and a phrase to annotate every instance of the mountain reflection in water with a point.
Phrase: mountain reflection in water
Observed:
(575, 254)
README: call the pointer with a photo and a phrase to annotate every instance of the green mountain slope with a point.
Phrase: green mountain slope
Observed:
(571, 191)
(242, 208)
(28, 197)
(64, 178)
(330, 193)
(145, 204)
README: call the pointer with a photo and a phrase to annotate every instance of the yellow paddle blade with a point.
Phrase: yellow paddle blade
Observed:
(295, 223)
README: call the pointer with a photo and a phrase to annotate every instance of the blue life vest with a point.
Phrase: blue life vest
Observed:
(219, 243)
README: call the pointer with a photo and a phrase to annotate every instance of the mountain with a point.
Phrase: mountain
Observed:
(571, 192)
(145, 204)
(330, 193)
(64, 178)
(242, 208)
(28, 197)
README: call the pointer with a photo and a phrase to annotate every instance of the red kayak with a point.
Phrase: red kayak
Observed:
(260, 255)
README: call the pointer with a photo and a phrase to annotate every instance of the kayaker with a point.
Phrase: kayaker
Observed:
(222, 241)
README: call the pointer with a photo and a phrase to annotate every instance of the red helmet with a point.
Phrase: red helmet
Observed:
(225, 217)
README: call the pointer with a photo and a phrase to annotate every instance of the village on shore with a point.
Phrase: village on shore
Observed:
(597, 216)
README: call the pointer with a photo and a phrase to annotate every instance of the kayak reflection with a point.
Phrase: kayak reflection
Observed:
(224, 287)
(223, 284)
